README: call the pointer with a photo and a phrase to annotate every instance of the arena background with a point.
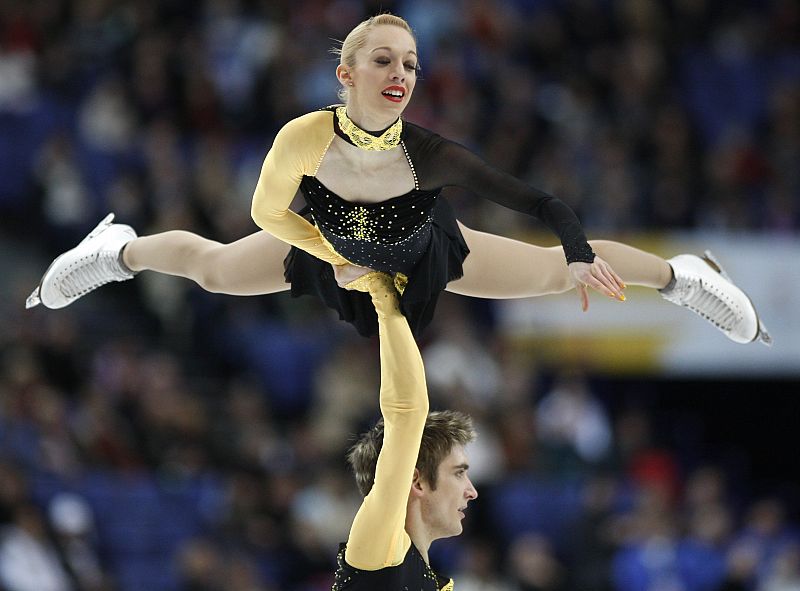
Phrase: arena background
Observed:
(156, 437)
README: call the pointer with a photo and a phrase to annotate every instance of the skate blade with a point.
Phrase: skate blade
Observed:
(714, 263)
(107, 221)
(762, 336)
(33, 299)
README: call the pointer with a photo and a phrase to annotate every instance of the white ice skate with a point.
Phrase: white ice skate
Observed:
(703, 286)
(94, 262)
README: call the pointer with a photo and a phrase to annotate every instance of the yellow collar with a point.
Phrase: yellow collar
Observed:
(366, 141)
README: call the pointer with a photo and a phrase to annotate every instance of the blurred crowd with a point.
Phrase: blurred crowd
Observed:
(156, 437)
(129, 465)
(642, 114)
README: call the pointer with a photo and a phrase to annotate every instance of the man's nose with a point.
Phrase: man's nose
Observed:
(472, 492)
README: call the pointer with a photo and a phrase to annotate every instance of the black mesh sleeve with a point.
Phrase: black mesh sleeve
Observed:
(446, 163)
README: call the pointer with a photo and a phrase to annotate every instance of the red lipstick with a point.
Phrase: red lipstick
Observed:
(394, 93)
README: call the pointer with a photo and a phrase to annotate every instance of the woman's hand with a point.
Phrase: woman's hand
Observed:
(598, 275)
(348, 273)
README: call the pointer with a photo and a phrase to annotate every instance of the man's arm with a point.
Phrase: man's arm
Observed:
(378, 537)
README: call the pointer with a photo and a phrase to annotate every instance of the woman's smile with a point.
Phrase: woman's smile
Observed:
(394, 93)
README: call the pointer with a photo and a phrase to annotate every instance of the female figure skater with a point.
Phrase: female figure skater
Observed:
(371, 181)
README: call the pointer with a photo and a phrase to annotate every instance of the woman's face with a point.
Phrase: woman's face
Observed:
(385, 73)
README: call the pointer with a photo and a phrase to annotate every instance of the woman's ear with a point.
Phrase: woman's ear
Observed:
(343, 74)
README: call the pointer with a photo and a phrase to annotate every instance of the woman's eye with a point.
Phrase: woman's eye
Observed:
(382, 62)
(411, 67)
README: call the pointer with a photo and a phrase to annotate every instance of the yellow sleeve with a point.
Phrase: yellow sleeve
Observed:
(297, 150)
(377, 537)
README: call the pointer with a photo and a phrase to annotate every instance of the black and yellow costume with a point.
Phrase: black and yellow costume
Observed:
(413, 237)
(379, 553)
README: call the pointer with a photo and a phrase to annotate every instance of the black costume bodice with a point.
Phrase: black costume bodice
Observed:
(413, 573)
(392, 235)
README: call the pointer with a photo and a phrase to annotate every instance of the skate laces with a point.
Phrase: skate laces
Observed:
(90, 272)
(703, 300)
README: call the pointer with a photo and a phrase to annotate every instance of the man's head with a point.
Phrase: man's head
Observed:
(440, 483)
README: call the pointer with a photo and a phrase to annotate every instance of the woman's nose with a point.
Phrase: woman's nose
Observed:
(398, 73)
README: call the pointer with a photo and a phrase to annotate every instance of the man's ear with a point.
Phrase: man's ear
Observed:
(417, 489)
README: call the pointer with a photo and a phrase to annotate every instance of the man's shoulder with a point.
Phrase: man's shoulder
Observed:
(413, 572)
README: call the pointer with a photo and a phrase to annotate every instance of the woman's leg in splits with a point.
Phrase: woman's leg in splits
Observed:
(497, 268)
(249, 266)
(502, 268)
(112, 252)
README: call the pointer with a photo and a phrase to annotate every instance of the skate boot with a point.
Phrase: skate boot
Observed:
(703, 286)
(94, 262)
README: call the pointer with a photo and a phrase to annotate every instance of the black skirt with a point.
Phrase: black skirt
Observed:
(441, 263)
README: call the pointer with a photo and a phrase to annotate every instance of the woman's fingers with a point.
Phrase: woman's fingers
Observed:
(618, 282)
(618, 279)
(598, 285)
(599, 276)
(605, 275)
(584, 295)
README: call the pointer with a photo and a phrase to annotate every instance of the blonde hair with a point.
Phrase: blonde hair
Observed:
(443, 430)
(357, 38)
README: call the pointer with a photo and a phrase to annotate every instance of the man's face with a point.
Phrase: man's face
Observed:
(443, 508)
